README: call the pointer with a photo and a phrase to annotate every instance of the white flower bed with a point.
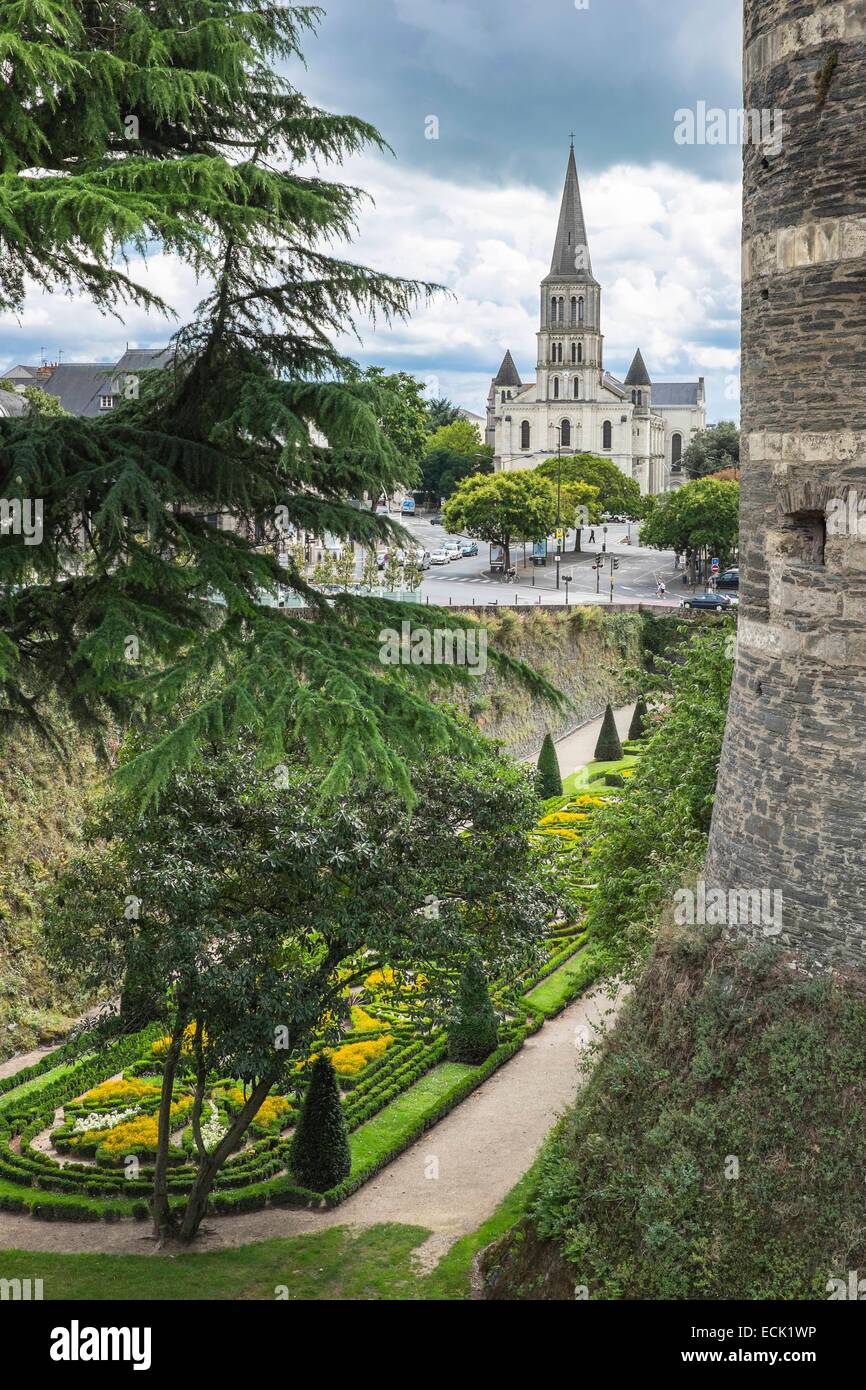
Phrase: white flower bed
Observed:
(108, 1119)
(213, 1129)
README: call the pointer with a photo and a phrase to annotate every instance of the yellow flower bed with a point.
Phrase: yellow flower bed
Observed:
(354, 1057)
(161, 1046)
(121, 1092)
(564, 817)
(141, 1132)
(363, 1022)
(271, 1110)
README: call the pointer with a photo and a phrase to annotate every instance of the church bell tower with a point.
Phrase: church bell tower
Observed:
(569, 337)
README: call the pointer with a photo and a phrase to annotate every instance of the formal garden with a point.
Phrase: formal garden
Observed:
(79, 1130)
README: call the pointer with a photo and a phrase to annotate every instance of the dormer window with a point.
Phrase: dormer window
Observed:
(106, 402)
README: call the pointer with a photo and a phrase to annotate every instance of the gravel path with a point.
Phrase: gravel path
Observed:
(450, 1181)
(577, 749)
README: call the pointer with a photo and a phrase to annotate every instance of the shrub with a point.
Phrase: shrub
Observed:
(473, 1032)
(636, 728)
(320, 1156)
(608, 749)
(549, 779)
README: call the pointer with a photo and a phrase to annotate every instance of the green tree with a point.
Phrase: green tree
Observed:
(608, 749)
(502, 508)
(638, 726)
(644, 845)
(344, 567)
(441, 412)
(712, 449)
(473, 1031)
(617, 494)
(41, 403)
(320, 1156)
(702, 516)
(212, 166)
(579, 506)
(454, 452)
(404, 414)
(260, 906)
(549, 779)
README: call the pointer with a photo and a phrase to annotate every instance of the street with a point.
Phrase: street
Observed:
(468, 581)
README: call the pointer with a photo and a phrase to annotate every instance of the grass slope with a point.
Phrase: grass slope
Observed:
(716, 1152)
(42, 805)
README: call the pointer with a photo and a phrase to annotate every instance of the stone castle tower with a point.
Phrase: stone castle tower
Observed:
(790, 812)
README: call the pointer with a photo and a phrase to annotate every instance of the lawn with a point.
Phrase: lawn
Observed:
(566, 983)
(342, 1263)
(394, 1125)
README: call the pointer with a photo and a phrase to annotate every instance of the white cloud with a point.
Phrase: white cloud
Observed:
(664, 245)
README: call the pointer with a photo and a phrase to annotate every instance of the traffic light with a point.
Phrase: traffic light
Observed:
(599, 561)
(615, 563)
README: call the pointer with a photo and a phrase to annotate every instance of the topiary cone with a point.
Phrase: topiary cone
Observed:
(320, 1156)
(549, 779)
(636, 728)
(608, 749)
(473, 1032)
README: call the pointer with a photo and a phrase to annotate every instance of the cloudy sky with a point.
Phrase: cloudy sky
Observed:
(475, 208)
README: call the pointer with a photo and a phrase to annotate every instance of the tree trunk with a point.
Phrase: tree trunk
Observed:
(196, 1206)
(163, 1220)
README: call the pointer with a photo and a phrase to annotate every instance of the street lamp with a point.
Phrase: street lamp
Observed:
(558, 429)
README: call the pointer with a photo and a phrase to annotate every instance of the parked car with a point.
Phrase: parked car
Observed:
(729, 579)
(422, 559)
(468, 549)
(454, 550)
(408, 506)
(708, 600)
(436, 519)
(440, 556)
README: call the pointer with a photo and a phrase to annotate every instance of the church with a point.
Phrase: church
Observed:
(574, 405)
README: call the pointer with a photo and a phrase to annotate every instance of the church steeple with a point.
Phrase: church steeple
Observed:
(571, 249)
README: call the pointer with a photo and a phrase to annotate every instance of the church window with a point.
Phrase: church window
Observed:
(634, 397)
(580, 309)
(524, 435)
(573, 353)
(574, 308)
(556, 388)
(676, 450)
(580, 352)
(607, 435)
(576, 387)
(565, 433)
(640, 397)
(502, 395)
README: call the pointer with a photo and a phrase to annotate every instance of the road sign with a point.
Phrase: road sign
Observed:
(567, 576)
(715, 565)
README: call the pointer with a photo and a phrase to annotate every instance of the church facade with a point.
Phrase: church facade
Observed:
(574, 405)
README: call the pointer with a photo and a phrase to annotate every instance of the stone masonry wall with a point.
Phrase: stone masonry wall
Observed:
(790, 811)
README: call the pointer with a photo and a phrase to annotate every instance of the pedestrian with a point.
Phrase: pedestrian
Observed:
(592, 537)
(660, 589)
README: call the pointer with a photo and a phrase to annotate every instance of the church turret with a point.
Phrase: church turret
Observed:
(569, 338)
(502, 388)
(638, 382)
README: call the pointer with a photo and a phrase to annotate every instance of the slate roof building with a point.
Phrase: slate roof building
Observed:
(88, 388)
